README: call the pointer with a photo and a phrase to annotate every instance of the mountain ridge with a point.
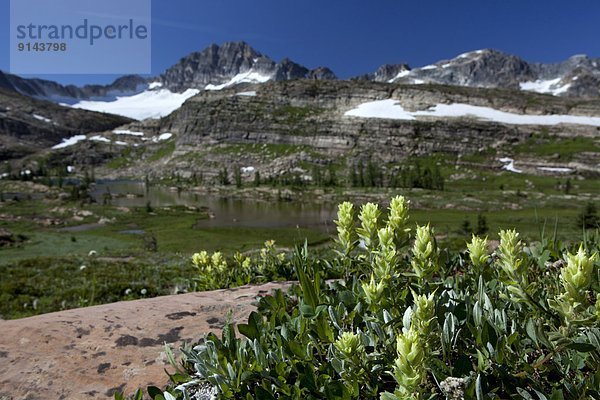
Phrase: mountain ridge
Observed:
(231, 63)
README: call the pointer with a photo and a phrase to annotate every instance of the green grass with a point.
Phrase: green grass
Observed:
(40, 285)
(562, 148)
(174, 229)
(51, 258)
(294, 114)
(117, 163)
(58, 244)
(164, 151)
(175, 232)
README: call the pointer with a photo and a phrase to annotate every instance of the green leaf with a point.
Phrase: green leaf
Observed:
(307, 310)
(297, 349)
(118, 395)
(263, 394)
(524, 394)
(333, 317)
(169, 396)
(581, 347)
(252, 329)
(307, 377)
(540, 395)
(310, 287)
(557, 395)
(530, 329)
(247, 331)
(478, 390)
(477, 314)
(336, 390)
(153, 391)
(179, 378)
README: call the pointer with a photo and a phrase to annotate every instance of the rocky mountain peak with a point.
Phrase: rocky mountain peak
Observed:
(321, 73)
(287, 69)
(387, 73)
(481, 68)
(229, 64)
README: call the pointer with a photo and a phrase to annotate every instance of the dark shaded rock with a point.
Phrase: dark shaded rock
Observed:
(28, 125)
(386, 73)
(321, 73)
(44, 89)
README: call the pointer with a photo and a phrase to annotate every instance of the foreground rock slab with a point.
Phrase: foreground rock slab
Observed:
(89, 353)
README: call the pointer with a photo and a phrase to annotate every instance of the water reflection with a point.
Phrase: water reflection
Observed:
(225, 212)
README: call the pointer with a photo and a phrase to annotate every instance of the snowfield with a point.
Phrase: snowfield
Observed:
(509, 165)
(390, 109)
(245, 77)
(401, 74)
(148, 104)
(69, 142)
(549, 86)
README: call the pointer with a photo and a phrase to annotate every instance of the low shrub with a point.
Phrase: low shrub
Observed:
(408, 321)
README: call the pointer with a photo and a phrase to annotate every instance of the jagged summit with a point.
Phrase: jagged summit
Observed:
(231, 63)
(579, 75)
(387, 73)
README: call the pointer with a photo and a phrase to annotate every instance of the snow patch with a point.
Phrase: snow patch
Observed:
(41, 118)
(69, 142)
(155, 85)
(250, 94)
(551, 86)
(163, 137)
(401, 74)
(509, 165)
(490, 114)
(429, 67)
(120, 143)
(127, 132)
(418, 81)
(556, 169)
(391, 109)
(470, 54)
(148, 104)
(98, 138)
(446, 65)
(245, 77)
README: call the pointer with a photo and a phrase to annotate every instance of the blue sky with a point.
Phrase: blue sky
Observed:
(354, 37)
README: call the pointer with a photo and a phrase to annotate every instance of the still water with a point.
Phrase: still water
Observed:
(225, 212)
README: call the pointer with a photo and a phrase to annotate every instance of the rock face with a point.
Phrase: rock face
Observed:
(278, 127)
(28, 125)
(230, 63)
(576, 77)
(124, 86)
(93, 352)
(306, 113)
(387, 73)
(321, 73)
